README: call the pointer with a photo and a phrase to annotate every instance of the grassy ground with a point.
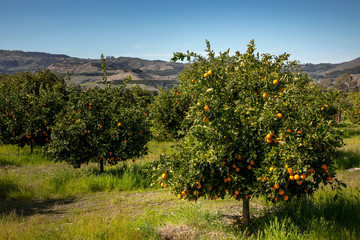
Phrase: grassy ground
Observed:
(45, 200)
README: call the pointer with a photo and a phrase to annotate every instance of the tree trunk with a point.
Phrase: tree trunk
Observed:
(339, 117)
(31, 147)
(246, 212)
(101, 165)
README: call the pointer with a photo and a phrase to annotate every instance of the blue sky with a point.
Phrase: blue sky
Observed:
(311, 31)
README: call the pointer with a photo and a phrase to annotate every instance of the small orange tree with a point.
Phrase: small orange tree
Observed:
(107, 125)
(353, 107)
(258, 129)
(28, 104)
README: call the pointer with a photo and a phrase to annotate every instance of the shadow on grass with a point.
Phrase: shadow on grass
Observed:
(24, 207)
(4, 161)
(31, 207)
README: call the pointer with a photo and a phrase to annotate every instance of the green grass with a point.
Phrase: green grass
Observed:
(349, 155)
(40, 199)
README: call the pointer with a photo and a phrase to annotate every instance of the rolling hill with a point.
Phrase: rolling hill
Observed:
(87, 72)
(149, 74)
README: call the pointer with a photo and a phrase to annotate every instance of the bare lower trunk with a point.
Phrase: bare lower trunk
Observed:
(339, 117)
(101, 165)
(246, 212)
(31, 147)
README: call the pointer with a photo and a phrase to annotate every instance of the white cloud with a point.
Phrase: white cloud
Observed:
(138, 46)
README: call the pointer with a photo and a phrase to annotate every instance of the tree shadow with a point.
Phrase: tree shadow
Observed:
(28, 208)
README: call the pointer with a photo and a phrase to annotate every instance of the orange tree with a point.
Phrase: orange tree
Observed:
(106, 125)
(29, 102)
(168, 111)
(258, 129)
(353, 107)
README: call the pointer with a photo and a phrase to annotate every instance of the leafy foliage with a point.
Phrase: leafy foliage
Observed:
(353, 107)
(168, 111)
(28, 104)
(106, 125)
(258, 128)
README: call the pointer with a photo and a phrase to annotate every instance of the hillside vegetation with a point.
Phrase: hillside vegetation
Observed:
(87, 72)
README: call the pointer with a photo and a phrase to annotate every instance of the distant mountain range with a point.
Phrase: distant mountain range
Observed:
(327, 70)
(87, 72)
(150, 74)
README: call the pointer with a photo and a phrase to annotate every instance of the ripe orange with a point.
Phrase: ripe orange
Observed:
(286, 198)
(234, 165)
(276, 186)
(164, 176)
(162, 184)
(206, 74)
(303, 176)
(324, 166)
(271, 169)
(268, 136)
(206, 119)
(281, 192)
(252, 162)
(237, 192)
(206, 108)
(329, 179)
(229, 179)
(183, 193)
(265, 95)
(279, 115)
(296, 177)
(223, 162)
(288, 130)
(275, 82)
(238, 156)
(265, 178)
(299, 132)
(210, 72)
(291, 177)
(119, 124)
(268, 140)
(237, 169)
(249, 167)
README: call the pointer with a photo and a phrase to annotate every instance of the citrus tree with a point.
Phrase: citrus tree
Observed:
(29, 102)
(258, 128)
(168, 111)
(106, 125)
(353, 107)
